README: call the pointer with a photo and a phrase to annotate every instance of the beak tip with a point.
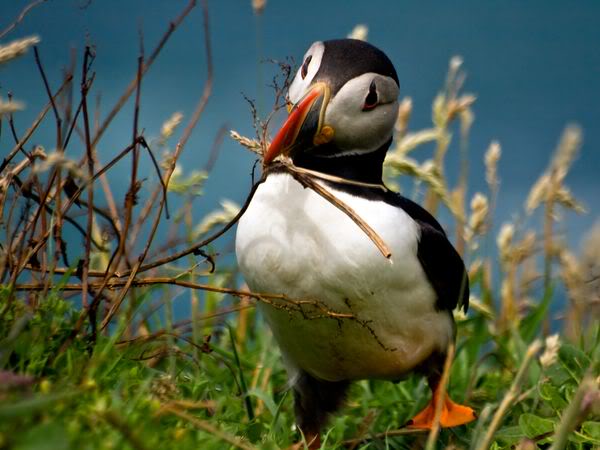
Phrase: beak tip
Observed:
(286, 136)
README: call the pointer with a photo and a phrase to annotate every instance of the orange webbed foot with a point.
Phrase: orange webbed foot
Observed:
(452, 414)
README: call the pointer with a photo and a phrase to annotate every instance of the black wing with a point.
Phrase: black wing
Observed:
(441, 262)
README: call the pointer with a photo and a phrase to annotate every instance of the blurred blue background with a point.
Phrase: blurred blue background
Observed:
(534, 66)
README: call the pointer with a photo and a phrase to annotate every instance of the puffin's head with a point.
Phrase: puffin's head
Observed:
(345, 95)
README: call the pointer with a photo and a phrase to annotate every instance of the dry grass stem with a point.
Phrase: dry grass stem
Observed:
(510, 396)
(180, 146)
(404, 113)
(413, 140)
(20, 17)
(251, 144)
(324, 176)
(308, 181)
(478, 220)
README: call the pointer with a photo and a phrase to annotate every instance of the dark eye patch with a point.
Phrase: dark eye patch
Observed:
(372, 97)
(304, 69)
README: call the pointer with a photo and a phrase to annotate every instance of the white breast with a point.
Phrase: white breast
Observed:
(292, 241)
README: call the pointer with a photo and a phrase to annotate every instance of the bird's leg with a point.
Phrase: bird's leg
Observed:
(451, 415)
(314, 401)
(313, 441)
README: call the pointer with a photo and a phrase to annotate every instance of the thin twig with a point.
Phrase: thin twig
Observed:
(56, 174)
(305, 177)
(130, 197)
(324, 176)
(186, 323)
(44, 237)
(271, 299)
(40, 66)
(309, 309)
(196, 247)
(20, 17)
(89, 150)
(36, 123)
(32, 224)
(308, 181)
(69, 219)
(181, 144)
(173, 25)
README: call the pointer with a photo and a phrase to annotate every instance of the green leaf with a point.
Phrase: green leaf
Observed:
(533, 426)
(557, 375)
(591, 432)
(266, 398)
(509, 435)
(551, 394)
(574, 360)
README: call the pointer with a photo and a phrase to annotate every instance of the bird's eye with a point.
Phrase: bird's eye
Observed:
(372, 98)
(304, 69)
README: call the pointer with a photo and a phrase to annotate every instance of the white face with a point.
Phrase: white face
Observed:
(309, 68)
(362, 113)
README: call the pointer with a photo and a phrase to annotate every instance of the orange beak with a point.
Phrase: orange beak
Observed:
(305, 117)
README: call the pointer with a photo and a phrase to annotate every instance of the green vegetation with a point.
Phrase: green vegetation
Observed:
(91, 357)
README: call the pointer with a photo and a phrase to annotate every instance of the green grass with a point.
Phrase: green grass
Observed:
(107, 395)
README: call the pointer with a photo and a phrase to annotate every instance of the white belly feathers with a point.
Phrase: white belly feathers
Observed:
(292, 241)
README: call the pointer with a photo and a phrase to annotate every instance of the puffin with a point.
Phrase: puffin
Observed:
(343, 104)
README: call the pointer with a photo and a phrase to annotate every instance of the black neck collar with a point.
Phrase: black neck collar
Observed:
(365, 168)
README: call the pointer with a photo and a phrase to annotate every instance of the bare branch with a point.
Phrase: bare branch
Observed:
(20, 17)
(186, 134)
(132, 85)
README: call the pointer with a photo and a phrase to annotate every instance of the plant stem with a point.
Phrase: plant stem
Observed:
(511, 395)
